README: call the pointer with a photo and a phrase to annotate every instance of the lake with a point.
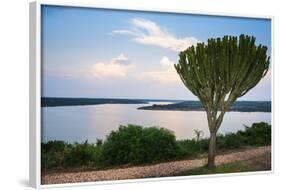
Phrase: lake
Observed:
(80, 123)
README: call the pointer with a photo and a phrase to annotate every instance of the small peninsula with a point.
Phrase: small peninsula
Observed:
(239, 106)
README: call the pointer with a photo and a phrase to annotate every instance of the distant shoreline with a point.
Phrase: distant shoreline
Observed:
(239, 106)
(175, 105)
(55, 102)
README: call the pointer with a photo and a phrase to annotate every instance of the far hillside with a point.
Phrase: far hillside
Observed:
(53, 102)
(239, 106)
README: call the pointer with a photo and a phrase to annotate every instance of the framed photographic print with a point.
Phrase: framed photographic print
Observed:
(121, 94)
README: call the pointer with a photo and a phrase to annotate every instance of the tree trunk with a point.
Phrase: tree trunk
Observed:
(212, 150)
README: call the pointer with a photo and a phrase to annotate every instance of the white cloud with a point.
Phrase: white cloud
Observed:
(121, 59)
(167, 74)
(117, 67)
(149, 33)
(166, 62)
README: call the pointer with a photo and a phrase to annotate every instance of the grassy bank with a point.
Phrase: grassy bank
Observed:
(137, 145)
(259, 163)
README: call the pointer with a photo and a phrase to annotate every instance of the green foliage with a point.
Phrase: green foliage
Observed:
(222, 66)
(134, 144)
(53, 154)
(119, 145)
(58, 154)
(81, 155)
(192, 148)
(219, 72)
(258, 134)
(230, 141)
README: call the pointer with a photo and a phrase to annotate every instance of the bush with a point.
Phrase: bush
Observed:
(259, 134)
(231, 141)
(154, 145)
(119, 145)
(134, 144)
(191, 148)
(81, 155)
(58, 154)
(53, 154)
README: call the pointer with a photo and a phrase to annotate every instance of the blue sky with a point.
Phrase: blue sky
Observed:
(128, 54)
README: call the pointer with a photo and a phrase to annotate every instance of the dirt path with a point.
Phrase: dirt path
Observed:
(162, 169)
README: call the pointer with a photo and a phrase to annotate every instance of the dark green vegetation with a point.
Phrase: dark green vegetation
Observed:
(259, 163)
(52, 102)
(239, 106)
(133, 145)
(220, 72)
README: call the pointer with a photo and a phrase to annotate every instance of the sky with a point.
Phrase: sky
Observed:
(102, 53)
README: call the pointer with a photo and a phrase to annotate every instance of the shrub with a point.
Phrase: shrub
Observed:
(232, 140)
(58, 154)
(134, 144)
(81, 155)
(120, 144)
(188, 148)
(259, 134)
(154, 144)
(53, 154)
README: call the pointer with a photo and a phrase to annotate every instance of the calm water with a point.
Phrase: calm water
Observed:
(80, 123)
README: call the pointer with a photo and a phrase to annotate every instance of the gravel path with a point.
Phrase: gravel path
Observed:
(162, 169)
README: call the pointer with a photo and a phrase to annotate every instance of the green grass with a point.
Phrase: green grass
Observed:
(260, 163)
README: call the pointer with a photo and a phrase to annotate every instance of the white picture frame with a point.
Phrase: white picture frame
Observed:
(35, 89)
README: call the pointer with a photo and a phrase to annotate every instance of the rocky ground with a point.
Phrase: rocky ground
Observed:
(157, 170)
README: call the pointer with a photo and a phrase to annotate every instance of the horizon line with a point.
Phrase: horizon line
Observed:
(147, 99)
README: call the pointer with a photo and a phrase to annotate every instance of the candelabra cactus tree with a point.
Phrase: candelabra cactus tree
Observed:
(218, 73)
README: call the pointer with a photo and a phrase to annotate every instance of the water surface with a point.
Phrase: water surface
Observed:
(80, 123)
